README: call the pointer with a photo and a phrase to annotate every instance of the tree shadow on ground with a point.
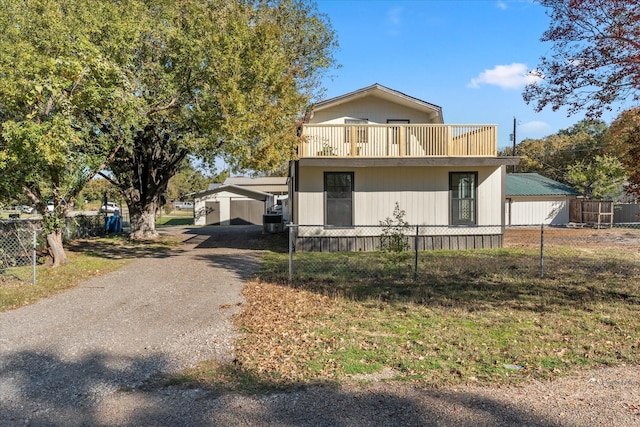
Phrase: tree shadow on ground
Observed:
(250, 237)
(41, 389)
(121, 248)
(177, 221)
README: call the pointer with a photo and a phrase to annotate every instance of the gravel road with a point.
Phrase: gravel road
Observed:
(86, 358)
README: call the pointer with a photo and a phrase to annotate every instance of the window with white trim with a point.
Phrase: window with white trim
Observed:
(463, 201)
(338, 198)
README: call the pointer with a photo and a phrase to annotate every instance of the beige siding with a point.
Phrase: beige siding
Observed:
(537, 210)
(375, 110)
(422, 192)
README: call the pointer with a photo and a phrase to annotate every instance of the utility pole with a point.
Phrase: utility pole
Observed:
(514, 142)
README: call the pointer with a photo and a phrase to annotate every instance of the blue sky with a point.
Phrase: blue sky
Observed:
(470, 57)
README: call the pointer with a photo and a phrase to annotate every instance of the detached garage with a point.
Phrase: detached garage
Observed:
(230, 205)
(532, 199)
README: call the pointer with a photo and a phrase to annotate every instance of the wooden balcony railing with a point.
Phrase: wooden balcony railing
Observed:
(382, 140)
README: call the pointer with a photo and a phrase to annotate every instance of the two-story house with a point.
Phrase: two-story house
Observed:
(366, 151)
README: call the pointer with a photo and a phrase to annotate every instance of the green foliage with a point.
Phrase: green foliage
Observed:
(61, 81)
(187, 180)
(552, 155)
(394, 238)
(218, 79)
(600, 178)
(95, 190)
(136, 87)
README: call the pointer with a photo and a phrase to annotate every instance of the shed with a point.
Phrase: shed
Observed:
(532, 199)
(275, 185)
(231, 205)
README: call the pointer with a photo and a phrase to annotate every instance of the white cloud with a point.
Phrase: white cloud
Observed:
(501, 5)
(394, 16)
(535, 128)
(513, 76)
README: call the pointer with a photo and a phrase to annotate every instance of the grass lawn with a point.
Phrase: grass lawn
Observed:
(86, 259)
(472, 317)
(175, 217)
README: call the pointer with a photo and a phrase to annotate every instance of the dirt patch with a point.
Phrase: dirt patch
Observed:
(620, 238)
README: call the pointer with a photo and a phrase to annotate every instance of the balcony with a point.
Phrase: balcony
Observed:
(392, 141)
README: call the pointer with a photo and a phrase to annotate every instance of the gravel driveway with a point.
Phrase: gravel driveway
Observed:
(86, 358)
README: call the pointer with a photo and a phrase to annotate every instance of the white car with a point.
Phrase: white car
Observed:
(182, 205)
(110, 207)
(50, 205)
(25, 208)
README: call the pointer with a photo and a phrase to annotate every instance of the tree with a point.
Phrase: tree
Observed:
(595, 56)
(552, 155)
(600, 178)
(95, 191)
(623, 142)
(218, 78)
(187, 180)
(61, 80)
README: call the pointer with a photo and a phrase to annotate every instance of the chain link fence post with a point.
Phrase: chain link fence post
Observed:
(34, 254)
(541, 251)
(291, 252)
(415, 263)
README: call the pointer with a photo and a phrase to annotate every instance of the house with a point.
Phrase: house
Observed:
(238, 200)
(534, 199)
(365, 151)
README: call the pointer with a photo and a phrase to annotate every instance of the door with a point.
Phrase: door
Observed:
(247, 212)
(212, 210)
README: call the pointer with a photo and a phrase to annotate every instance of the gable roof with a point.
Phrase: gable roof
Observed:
(386, 93)
(533, 184)
(243, 191)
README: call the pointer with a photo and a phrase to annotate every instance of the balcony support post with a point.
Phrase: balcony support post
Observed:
(354, 141)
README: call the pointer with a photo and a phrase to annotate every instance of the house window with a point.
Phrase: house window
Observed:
(462, 192)
(338, 198)
(355, 133)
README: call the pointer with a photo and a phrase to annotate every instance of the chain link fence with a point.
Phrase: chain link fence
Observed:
(23, 243)
(405, 253)
(18, 246)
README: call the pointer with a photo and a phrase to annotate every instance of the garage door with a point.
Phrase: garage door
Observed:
(246, 212)
(213, 213)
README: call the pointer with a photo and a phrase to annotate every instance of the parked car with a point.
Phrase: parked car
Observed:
(50, 205)
(182, 205)
(25, 208)
(110, 207)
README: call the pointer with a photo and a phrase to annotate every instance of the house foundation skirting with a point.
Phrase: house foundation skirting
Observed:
(372, 243)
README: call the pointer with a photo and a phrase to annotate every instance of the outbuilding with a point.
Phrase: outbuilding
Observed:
(532, 199)
(231, 205)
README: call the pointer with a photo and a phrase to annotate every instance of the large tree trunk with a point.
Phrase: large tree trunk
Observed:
(55, 248)
(143, 222)
(142, 175)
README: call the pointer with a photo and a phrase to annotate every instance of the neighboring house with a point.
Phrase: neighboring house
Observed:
(238, 200)
(365, 151)
(532, 199)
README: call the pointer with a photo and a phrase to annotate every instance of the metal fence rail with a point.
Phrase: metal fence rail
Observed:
(426, 253)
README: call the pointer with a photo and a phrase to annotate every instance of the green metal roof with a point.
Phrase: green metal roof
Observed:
(533, 184)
